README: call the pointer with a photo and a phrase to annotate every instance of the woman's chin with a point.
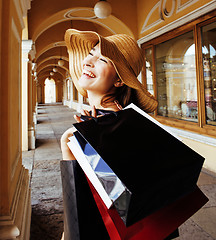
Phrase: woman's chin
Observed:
(86, 82)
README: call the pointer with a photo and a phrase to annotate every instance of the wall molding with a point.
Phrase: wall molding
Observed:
(22, 8)
(17, 224)
(193, 136)
(185, 5)
(179, 22)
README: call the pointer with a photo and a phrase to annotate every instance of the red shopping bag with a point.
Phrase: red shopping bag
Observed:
(156, 226)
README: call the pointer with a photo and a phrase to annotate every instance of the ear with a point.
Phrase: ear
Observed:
(118, 83)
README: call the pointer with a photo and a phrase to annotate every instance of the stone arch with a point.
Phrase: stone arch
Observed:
(112, 24)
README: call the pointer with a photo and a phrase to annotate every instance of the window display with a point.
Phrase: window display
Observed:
(209, 70)
(176, 78)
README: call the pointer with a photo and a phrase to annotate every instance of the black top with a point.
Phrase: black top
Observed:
(99, 112)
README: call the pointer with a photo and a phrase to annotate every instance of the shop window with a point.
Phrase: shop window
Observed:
(180, 71)
(209, 71)
(176, 78)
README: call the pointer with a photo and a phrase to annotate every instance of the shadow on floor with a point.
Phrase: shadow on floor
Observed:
(46, 227)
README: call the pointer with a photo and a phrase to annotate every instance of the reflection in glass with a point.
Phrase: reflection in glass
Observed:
(209, 70)
(176, 78)
(149, 70)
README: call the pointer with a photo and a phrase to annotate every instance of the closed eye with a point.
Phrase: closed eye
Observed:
(103, 60)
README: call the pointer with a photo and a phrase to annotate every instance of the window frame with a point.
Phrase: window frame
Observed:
(195, 26)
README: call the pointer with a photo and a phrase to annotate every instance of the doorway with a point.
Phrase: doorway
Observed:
(50, 90)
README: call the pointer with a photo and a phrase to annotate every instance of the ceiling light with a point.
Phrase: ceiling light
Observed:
(61, 62)
(102, 9)
(55, 69)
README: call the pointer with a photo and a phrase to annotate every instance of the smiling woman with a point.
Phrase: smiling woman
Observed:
(105, 70)
(126, 58)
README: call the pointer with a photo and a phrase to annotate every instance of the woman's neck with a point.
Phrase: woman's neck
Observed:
(95, 100)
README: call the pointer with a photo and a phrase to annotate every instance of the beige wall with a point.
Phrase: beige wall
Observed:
(14, 179)
(206, 150)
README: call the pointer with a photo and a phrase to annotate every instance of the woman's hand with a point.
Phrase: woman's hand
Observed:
(66, 152)
(87, 113)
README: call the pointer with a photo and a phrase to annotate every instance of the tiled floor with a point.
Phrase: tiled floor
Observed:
(47, 207)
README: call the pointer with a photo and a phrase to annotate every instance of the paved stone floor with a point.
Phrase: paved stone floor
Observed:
(47, 206)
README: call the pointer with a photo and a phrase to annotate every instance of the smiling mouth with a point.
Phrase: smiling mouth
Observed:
(88, 73)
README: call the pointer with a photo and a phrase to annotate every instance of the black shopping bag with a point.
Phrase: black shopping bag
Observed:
(155, 166)
(82, 219)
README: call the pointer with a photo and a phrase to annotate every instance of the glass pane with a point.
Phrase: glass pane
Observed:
(75, 94)
(85, 100)
(209, 70)
(149, 70)
(176, 78)
(68, 89)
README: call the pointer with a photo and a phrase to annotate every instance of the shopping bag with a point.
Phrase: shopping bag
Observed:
(125, 141)
(106, 182)
(156, 226)
(82, 219)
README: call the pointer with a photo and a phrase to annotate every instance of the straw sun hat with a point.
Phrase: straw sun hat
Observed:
(121, 49)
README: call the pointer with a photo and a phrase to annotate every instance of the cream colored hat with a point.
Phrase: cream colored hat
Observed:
(121, 49)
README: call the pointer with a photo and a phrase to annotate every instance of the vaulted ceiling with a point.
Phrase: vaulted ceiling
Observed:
(48, 20)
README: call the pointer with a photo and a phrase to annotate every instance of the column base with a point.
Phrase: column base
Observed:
(31, 138)
(35, 118)
(17, 225)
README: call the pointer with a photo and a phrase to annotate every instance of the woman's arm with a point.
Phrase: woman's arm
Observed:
(66, 152)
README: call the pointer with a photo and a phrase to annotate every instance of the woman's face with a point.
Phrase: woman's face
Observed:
(98, 75)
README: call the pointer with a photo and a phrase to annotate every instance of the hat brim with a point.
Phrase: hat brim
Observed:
(80, 43)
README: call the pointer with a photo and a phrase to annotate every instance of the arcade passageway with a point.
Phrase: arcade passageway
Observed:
(44, 167)
(46, 200)
(38, 97)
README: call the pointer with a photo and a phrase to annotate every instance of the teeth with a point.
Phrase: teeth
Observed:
(90, 74)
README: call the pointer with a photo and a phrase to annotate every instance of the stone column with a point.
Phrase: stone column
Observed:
(26, 47)
(71, 93)
(59, 91)
(43, 91)
(64, 99)
(31, 125)
(34, 94)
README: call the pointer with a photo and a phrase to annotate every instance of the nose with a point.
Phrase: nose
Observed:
(88, 61)
(88, 65)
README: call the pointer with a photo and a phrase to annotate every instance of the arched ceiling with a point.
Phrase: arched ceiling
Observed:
(48, 20)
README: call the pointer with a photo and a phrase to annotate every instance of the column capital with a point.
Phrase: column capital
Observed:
(26, 45)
